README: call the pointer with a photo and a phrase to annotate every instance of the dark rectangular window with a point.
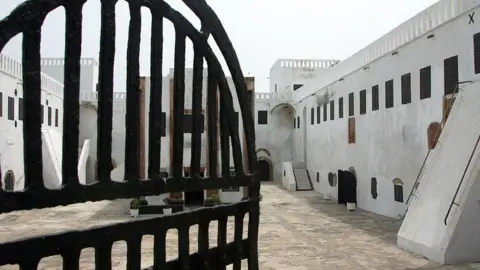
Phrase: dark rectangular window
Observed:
(312, 116)
(56, 117)
(318, 114)
(262, 117)
(49, 116)
(294, 122)
(325, 116)
(298, 121)
(406, 82)
(332, 110)
(351, 105)
(476, 52)
(425, 82)
(42, 113)
(296, 86)
(163, 124)
(375, 98)
(188, 123)
(398, 190)
(11, 108)
(363, 101)
(340, 107)
(389, 94)
(20, 109)
(1, 104)
(275, 88)
(450, 68)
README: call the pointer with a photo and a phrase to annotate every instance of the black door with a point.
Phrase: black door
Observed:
(342, 184)
(350, 187)
(264, 168)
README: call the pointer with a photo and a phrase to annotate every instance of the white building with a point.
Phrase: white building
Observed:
(378, 117)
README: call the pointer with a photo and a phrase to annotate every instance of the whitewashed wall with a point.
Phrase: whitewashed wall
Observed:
(11, 144)
(390, 143)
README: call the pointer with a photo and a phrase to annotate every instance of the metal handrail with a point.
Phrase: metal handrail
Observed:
(442, 123)
(461, 181)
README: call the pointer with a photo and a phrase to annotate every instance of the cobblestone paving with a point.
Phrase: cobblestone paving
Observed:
(298, 231)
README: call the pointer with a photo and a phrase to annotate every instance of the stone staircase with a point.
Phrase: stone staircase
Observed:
(302, 179)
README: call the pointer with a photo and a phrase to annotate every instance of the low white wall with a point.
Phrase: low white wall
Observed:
(82, 162)
(288, 179)
(118, 173)
(231, 196)
(52, 172)
(423, 230)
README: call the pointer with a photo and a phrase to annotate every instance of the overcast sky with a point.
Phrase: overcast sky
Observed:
(262, 31)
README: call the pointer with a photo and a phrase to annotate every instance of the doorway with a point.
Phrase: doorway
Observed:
(347, 187)
(194, 197)
(264, 169)
(9, 181)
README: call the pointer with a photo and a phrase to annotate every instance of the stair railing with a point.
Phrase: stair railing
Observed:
(461, 182)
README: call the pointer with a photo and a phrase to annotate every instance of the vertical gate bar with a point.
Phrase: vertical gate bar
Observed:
(155, 125)
(237, 239)
(222, 242)
(32, 97)
(178, 104)
(184, 247)
(159, 255)
(105, 90)
(103, 256)
(71, 92)
(224, 139)
(31, 264)
(71, 259)
(203, 243)
(132, 125)
(134, 256)
(197, 119)
(253, 224)
(212, 114)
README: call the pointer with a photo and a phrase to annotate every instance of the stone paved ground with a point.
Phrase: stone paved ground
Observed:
(298, 231)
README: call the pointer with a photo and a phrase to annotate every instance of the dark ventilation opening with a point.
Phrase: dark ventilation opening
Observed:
(9, 181)
(398, 190)
(373, 188)
(264, 168)
(330, 179)
(318, 177)
(194, 197)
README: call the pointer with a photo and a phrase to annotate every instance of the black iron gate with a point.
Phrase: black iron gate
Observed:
(27, 18)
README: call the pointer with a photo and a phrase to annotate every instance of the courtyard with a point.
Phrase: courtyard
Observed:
(298, 230)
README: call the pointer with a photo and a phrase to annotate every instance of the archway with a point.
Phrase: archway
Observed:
(283, 105)
(265, 169)
(9, 181)
(260, 150)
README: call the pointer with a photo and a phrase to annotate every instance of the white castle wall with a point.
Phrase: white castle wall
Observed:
(390, 143)
(11, 146)
(287, 72)
(436, 15)
(54, 67)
